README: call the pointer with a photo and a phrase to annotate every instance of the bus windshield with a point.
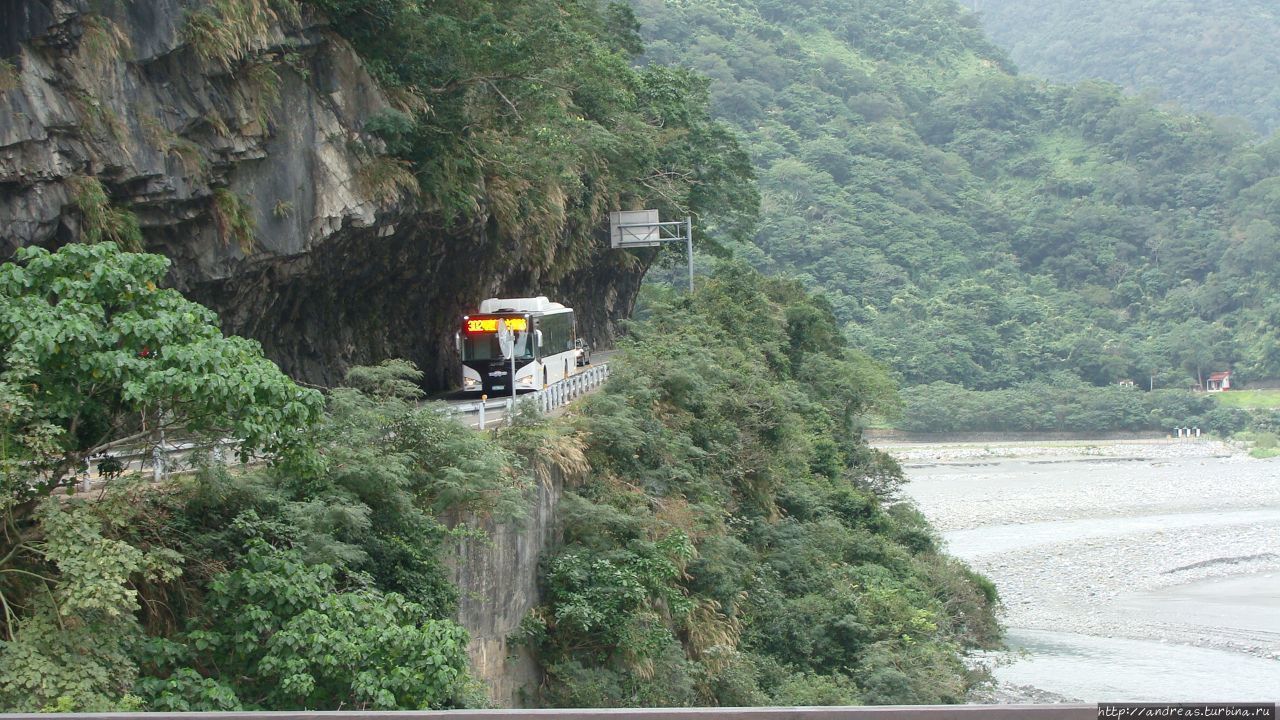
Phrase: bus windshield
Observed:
(486, 347)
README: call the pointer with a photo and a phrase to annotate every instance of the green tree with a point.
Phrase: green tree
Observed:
(278, 633)
(73, 648)
(94, 356)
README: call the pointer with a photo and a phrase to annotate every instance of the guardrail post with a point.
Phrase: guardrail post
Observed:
(157, 464)
(482, 404)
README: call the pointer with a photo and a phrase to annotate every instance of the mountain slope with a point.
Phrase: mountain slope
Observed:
(977, 227)
(1220, 57)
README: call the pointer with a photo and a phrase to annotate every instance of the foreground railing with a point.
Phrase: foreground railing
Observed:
(484, 414)
(917, 712)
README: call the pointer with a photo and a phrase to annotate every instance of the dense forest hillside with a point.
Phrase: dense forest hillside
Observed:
(977, 227)
(732, 543)
(1220, 56)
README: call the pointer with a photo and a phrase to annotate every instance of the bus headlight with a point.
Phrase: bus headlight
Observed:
(470, 383)
(525, 382)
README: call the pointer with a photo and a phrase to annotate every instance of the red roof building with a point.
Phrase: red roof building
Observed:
(1218, 382)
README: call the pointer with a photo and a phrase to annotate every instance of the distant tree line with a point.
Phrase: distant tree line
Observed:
(1074, 407)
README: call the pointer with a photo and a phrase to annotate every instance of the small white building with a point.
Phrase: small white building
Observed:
(1218, 381)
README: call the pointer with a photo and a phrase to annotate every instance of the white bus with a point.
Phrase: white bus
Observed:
(547, 348)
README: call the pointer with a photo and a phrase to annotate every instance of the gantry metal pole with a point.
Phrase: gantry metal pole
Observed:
(688, 237)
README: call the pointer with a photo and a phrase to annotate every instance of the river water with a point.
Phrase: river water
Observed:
(1139, 572)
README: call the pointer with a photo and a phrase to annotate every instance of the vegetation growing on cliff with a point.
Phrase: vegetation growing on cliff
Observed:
(531, 111)
(100, 220)
(8, 75)
(978, 228)
(735, 542)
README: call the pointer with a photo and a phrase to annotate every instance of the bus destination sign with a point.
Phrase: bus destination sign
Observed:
(482, 325)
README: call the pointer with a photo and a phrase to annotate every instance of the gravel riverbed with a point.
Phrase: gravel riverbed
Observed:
(1102, 549)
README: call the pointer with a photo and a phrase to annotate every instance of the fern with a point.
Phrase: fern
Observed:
(386, 179)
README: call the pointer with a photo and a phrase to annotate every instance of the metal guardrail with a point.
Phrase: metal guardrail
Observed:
(912, 712)
(488, 413)
(164, 457)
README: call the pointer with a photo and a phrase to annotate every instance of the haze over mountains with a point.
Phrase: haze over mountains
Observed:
(979, 227)
(1218, 56)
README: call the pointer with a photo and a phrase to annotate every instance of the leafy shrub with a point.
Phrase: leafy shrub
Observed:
(280, 633)
(72, 649)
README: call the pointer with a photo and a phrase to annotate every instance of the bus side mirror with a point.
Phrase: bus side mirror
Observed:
(538, 334)
(457, 342)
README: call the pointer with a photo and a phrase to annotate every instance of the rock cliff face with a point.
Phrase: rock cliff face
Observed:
(497, 579)
(232, 132)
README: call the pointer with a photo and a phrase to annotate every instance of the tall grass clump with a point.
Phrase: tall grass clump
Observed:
(387, 179)
(166, 141)
(234, 219)
(8, 75)
(101, 221)
(227, 32)
(102, 45)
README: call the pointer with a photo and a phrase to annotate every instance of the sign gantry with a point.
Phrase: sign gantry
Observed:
(641, 228)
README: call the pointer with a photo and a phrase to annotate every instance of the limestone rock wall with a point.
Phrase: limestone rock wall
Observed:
(497, 579)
